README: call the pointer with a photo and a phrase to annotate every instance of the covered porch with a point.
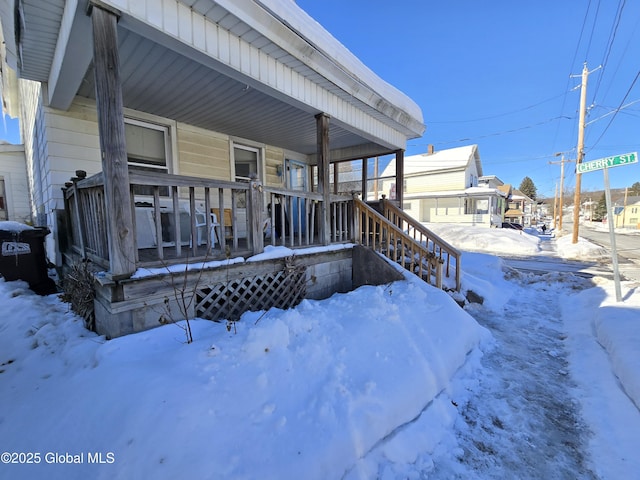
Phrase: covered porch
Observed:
(267, 97)
(177, 132)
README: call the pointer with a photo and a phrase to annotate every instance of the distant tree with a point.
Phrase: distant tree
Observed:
(528, 188)
(635, 189)
(601, 209)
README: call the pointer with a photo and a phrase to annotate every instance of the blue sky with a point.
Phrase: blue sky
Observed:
(497, 73)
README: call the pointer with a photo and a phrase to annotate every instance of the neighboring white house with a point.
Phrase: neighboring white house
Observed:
(14, 189)
(444, 187)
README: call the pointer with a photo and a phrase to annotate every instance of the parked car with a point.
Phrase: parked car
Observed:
(515, 226)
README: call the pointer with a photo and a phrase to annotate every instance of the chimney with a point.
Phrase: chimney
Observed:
(430, 149)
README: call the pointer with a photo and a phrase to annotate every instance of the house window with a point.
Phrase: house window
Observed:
(246, 162)
(147, 147)
(482, 206)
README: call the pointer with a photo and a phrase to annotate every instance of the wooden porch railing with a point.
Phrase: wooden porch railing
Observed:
(400, 238)
(172, 214)
(172, 217)
(173, 221)
(294, 218)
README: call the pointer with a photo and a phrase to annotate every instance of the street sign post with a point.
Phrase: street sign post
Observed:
(605, 164)
(608, 162)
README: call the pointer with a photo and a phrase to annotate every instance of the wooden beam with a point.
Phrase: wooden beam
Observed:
(255, 207)
(120, 229)
(365, 179)
(323, 160)
(399, 177)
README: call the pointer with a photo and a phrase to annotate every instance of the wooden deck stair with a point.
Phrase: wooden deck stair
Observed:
(398, 236)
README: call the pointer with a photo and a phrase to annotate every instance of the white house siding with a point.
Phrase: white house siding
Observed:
(435, 182)
(471, 176)
(13, 170)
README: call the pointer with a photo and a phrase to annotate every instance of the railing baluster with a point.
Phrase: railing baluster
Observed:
(158, 223)
(177, 228)
(207, 218)
(234, 216)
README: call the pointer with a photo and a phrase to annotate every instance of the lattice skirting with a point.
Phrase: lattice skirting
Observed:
(228, 301)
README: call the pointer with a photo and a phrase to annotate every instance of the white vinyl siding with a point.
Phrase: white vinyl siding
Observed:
(435, 182)
(13, 185)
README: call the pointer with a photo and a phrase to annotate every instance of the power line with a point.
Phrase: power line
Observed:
(616, 111)
(623, 55)
(613, 112)
(573, 60)
(529, 107)
(504, 132)
(593, 29)
(611, 40)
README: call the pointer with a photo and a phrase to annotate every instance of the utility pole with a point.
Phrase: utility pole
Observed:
(580, 155)
(555, 206)
(561, 206)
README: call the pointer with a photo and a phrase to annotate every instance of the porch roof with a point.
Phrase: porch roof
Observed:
(257, 69)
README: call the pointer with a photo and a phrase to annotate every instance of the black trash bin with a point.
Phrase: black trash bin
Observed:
(22, 256)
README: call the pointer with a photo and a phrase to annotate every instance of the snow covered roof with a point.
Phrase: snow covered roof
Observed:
(518, 195)
(492, 180)
(309, 29)
(458, 158)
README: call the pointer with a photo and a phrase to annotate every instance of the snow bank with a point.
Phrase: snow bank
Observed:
(302, 393)
(581, 250)
(618, 331)
(501, 241)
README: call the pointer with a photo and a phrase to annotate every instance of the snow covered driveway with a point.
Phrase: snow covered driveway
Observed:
(521, 419)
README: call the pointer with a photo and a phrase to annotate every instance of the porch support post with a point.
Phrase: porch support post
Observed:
(120, 230)
(322, 131)
(489, 210)
(365, 162)
(255, 207)
(400, 177)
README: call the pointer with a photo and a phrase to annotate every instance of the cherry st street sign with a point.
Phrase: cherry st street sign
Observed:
(608, 162)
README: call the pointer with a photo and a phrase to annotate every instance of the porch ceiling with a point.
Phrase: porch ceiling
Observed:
(160, 81)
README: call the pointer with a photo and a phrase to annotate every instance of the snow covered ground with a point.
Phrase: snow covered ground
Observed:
(396, 381)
